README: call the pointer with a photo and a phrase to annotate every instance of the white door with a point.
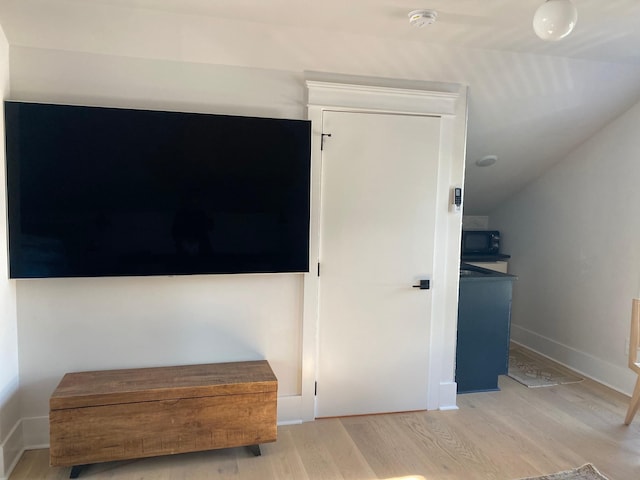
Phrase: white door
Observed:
(379, 178)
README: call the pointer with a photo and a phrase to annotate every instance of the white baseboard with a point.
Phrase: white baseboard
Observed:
(11, 450)
(617, 377)
(290, 410)
(448, 393)
(35, 432)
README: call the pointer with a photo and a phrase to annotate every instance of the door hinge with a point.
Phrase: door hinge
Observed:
(322, 139)
(315, 392)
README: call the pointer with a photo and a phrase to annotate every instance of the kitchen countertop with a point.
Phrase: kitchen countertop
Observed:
(473, 272)
(496, 257)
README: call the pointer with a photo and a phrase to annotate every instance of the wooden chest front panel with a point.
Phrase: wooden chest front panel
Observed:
(144, 429)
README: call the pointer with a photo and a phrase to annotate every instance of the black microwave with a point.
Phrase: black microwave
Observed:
(480, 242)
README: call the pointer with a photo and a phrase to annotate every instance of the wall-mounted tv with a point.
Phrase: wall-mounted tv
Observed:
(96, 191)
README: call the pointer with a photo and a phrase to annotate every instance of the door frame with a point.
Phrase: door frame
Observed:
(448, 101)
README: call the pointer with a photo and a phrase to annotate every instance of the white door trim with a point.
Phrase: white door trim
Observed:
(449, 102)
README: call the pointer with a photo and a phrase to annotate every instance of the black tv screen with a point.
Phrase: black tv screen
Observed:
(96, 191)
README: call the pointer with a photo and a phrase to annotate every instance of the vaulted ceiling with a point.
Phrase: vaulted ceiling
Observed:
(530, 102)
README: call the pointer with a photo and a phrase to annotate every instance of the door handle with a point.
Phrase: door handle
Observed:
(423, 285)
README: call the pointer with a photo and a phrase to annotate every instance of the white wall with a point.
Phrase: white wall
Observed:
(574, 238)
(98, 323)
(10, 444)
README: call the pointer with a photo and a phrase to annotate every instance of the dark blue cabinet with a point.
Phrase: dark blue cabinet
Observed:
(484, 318)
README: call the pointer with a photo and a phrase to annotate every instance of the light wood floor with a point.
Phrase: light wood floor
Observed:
(503, 435)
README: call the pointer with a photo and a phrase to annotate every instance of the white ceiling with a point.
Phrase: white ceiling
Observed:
(530, 102)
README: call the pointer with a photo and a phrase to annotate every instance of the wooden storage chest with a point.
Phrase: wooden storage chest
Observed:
(121, 414)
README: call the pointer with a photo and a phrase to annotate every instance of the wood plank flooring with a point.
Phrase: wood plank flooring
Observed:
(505, 435)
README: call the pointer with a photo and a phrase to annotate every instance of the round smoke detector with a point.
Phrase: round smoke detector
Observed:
(420, 18)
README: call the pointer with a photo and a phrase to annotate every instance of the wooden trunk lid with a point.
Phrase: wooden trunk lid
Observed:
(111, 387)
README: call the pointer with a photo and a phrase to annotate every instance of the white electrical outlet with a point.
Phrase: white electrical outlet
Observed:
(626, 346)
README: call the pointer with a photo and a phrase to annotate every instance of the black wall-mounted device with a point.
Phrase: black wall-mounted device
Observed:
(457, 196)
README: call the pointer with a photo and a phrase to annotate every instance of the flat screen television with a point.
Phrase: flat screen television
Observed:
(96, 191)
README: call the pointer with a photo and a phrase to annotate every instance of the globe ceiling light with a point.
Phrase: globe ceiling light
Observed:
(555, 19)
